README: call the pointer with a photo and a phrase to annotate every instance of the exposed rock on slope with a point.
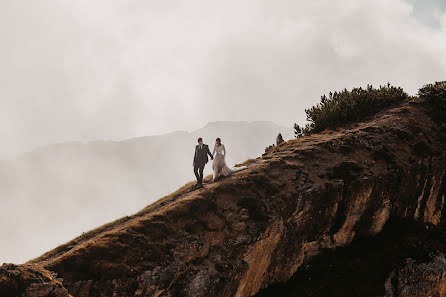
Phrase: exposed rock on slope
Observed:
(29, 280)
(421, 280)
(306, 199)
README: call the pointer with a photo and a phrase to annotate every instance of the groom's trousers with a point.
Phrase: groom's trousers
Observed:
(198, 170)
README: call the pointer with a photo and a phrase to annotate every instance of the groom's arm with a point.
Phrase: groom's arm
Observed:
(210, 154)
(195, 157)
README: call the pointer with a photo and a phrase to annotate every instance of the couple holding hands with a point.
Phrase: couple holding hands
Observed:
(218, 165)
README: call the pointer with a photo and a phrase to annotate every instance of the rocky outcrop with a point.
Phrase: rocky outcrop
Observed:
(29, 281)
(266, 224)
(279, 139)
(418, 280)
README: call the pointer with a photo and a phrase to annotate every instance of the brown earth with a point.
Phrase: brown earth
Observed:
(354, 212)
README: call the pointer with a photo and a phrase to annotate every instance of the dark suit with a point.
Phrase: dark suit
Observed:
(200, 159)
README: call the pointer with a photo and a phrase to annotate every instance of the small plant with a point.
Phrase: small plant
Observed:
(301, 131)
(340, 108)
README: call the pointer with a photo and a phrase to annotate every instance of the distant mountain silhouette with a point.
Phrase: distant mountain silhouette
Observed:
(71, 187)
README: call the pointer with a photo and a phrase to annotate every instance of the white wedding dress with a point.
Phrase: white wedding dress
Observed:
(219, 164)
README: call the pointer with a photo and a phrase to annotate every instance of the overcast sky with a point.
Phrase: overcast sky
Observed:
(81, 70)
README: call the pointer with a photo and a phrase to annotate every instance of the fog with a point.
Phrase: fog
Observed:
(56, 192)
(108, 70)
(113, 69)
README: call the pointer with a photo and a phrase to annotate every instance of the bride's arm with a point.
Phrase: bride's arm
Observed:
(224, 149)
(213, 153)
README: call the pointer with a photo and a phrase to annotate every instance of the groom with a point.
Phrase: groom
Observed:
(200, 159)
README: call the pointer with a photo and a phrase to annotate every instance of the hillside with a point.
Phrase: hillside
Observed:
(358, 211)
(104, 180)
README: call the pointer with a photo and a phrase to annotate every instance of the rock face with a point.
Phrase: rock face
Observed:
(418, 280)
(26, 280)
(316, 197)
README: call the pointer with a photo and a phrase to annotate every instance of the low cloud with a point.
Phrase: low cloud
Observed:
(115, 69)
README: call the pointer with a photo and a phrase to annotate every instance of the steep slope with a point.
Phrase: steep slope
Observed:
(306, 201)
(61, 178)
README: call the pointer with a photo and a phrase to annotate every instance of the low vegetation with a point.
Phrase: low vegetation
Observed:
(344, 107)
(435, 94)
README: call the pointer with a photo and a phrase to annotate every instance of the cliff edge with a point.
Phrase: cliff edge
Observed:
(370, 196)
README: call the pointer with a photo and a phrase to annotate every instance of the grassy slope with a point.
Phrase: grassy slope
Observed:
(95, 238)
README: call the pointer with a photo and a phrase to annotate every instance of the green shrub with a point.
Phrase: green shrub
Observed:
(435, 94)
(301, 131)
(344, 107)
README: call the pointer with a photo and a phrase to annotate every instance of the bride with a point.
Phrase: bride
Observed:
(219, 165)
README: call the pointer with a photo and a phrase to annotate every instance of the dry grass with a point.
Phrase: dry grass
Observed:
(246, 163)
(106, 227)
(181, 191)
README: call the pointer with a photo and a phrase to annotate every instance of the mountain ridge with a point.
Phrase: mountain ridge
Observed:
(287, 131)
(260, 226)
